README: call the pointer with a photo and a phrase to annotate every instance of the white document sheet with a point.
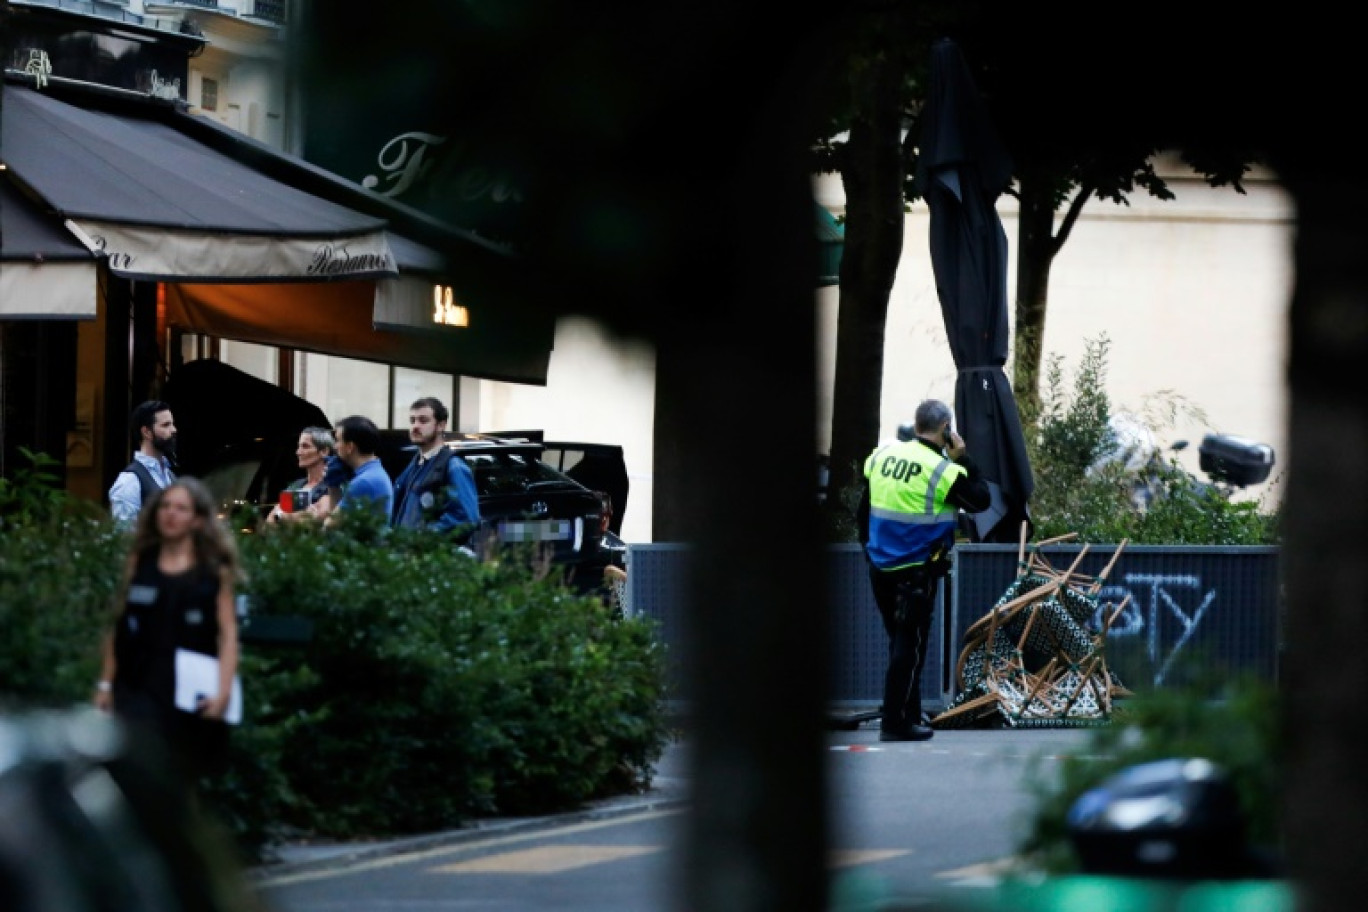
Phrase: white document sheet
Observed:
(197, 676)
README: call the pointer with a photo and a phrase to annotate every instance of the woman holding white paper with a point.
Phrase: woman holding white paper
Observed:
(177, 595)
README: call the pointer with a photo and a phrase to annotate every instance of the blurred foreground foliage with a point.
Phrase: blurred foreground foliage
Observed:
(1234, 723)
(435, 688)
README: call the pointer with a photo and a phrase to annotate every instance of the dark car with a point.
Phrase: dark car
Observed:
(526, 503)
(597, 466)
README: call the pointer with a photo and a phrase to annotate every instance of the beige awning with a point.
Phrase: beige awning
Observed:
(44, 273)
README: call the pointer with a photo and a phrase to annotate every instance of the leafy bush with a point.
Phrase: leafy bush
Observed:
(59, 563)
(435, 687)
(438, 687)
(1078, 489)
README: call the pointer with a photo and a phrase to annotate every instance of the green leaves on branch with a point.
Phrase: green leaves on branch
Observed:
(1106, 489)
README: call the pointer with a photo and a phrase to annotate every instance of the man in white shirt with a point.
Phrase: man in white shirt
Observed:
(154, 431)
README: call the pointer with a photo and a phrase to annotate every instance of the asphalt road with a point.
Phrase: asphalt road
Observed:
(912, 823)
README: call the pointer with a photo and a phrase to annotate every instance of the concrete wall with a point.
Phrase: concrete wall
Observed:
(599, 389)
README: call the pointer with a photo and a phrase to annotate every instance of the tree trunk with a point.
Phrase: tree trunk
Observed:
(1034, 256)
(1036, 248)
(873, 176)
(1325, 677)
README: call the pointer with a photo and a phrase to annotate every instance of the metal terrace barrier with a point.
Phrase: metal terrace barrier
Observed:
(1213, 610)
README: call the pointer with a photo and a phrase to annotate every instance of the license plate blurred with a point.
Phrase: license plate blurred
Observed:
(536, 530)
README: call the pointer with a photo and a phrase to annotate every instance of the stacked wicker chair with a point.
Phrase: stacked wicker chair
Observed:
(1031, 661)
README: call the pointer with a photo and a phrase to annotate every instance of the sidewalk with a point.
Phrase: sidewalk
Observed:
(668, 789)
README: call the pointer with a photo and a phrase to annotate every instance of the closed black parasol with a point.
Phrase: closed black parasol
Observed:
(962, 168)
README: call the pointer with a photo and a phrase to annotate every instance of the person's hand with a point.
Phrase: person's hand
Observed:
(104, 700)
(213, 707)
(954, 445)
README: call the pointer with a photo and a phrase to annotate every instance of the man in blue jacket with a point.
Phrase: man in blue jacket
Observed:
(436, 490)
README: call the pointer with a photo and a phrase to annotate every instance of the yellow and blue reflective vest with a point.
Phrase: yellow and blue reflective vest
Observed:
(910, 520)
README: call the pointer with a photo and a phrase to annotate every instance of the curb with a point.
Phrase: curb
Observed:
(340, 855)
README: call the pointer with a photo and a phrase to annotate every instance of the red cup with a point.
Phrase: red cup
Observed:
(287, 501)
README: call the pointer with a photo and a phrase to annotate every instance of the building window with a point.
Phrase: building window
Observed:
(270, 10)
(209, 94)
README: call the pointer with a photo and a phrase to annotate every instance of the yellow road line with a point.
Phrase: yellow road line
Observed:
(552, 859)
(390, 861)
(987, 870)
(846, 858)
(542, 859)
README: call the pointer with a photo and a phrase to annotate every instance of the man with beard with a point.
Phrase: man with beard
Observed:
(436, 490)
(153, 431)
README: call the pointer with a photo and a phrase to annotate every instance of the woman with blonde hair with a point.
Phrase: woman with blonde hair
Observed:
(178, 593)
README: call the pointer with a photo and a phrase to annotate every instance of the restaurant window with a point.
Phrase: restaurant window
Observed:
(257, 360)
(411, 385)
(208, 93)
(345, 386)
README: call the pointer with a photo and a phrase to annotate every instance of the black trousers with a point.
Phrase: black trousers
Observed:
(906, 600)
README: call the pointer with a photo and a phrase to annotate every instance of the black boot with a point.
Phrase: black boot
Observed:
(911, 732)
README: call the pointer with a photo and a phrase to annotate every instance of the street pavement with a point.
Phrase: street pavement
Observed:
(912, 824)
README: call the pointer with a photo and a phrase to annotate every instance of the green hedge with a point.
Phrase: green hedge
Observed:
(57, 577)
(436, 687)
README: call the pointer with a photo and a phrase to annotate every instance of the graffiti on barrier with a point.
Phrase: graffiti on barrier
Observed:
(1155, 598)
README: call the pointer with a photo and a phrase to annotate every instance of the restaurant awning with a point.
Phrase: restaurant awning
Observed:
(339, 319)
(44, 273)
(261, 243)
(162, 206)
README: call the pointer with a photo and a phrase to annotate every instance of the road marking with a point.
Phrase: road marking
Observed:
(475, 845)
(856, 748)
(552, 859)
(545, 859)
(555, 859)
(987, 873)
(849, 858)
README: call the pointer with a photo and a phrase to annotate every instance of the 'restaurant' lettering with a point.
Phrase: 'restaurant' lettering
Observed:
(330, 260)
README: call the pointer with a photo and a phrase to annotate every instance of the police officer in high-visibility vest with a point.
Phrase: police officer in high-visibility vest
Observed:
(908, 515)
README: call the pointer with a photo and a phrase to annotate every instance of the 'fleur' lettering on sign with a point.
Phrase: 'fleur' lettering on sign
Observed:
(401, 163)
